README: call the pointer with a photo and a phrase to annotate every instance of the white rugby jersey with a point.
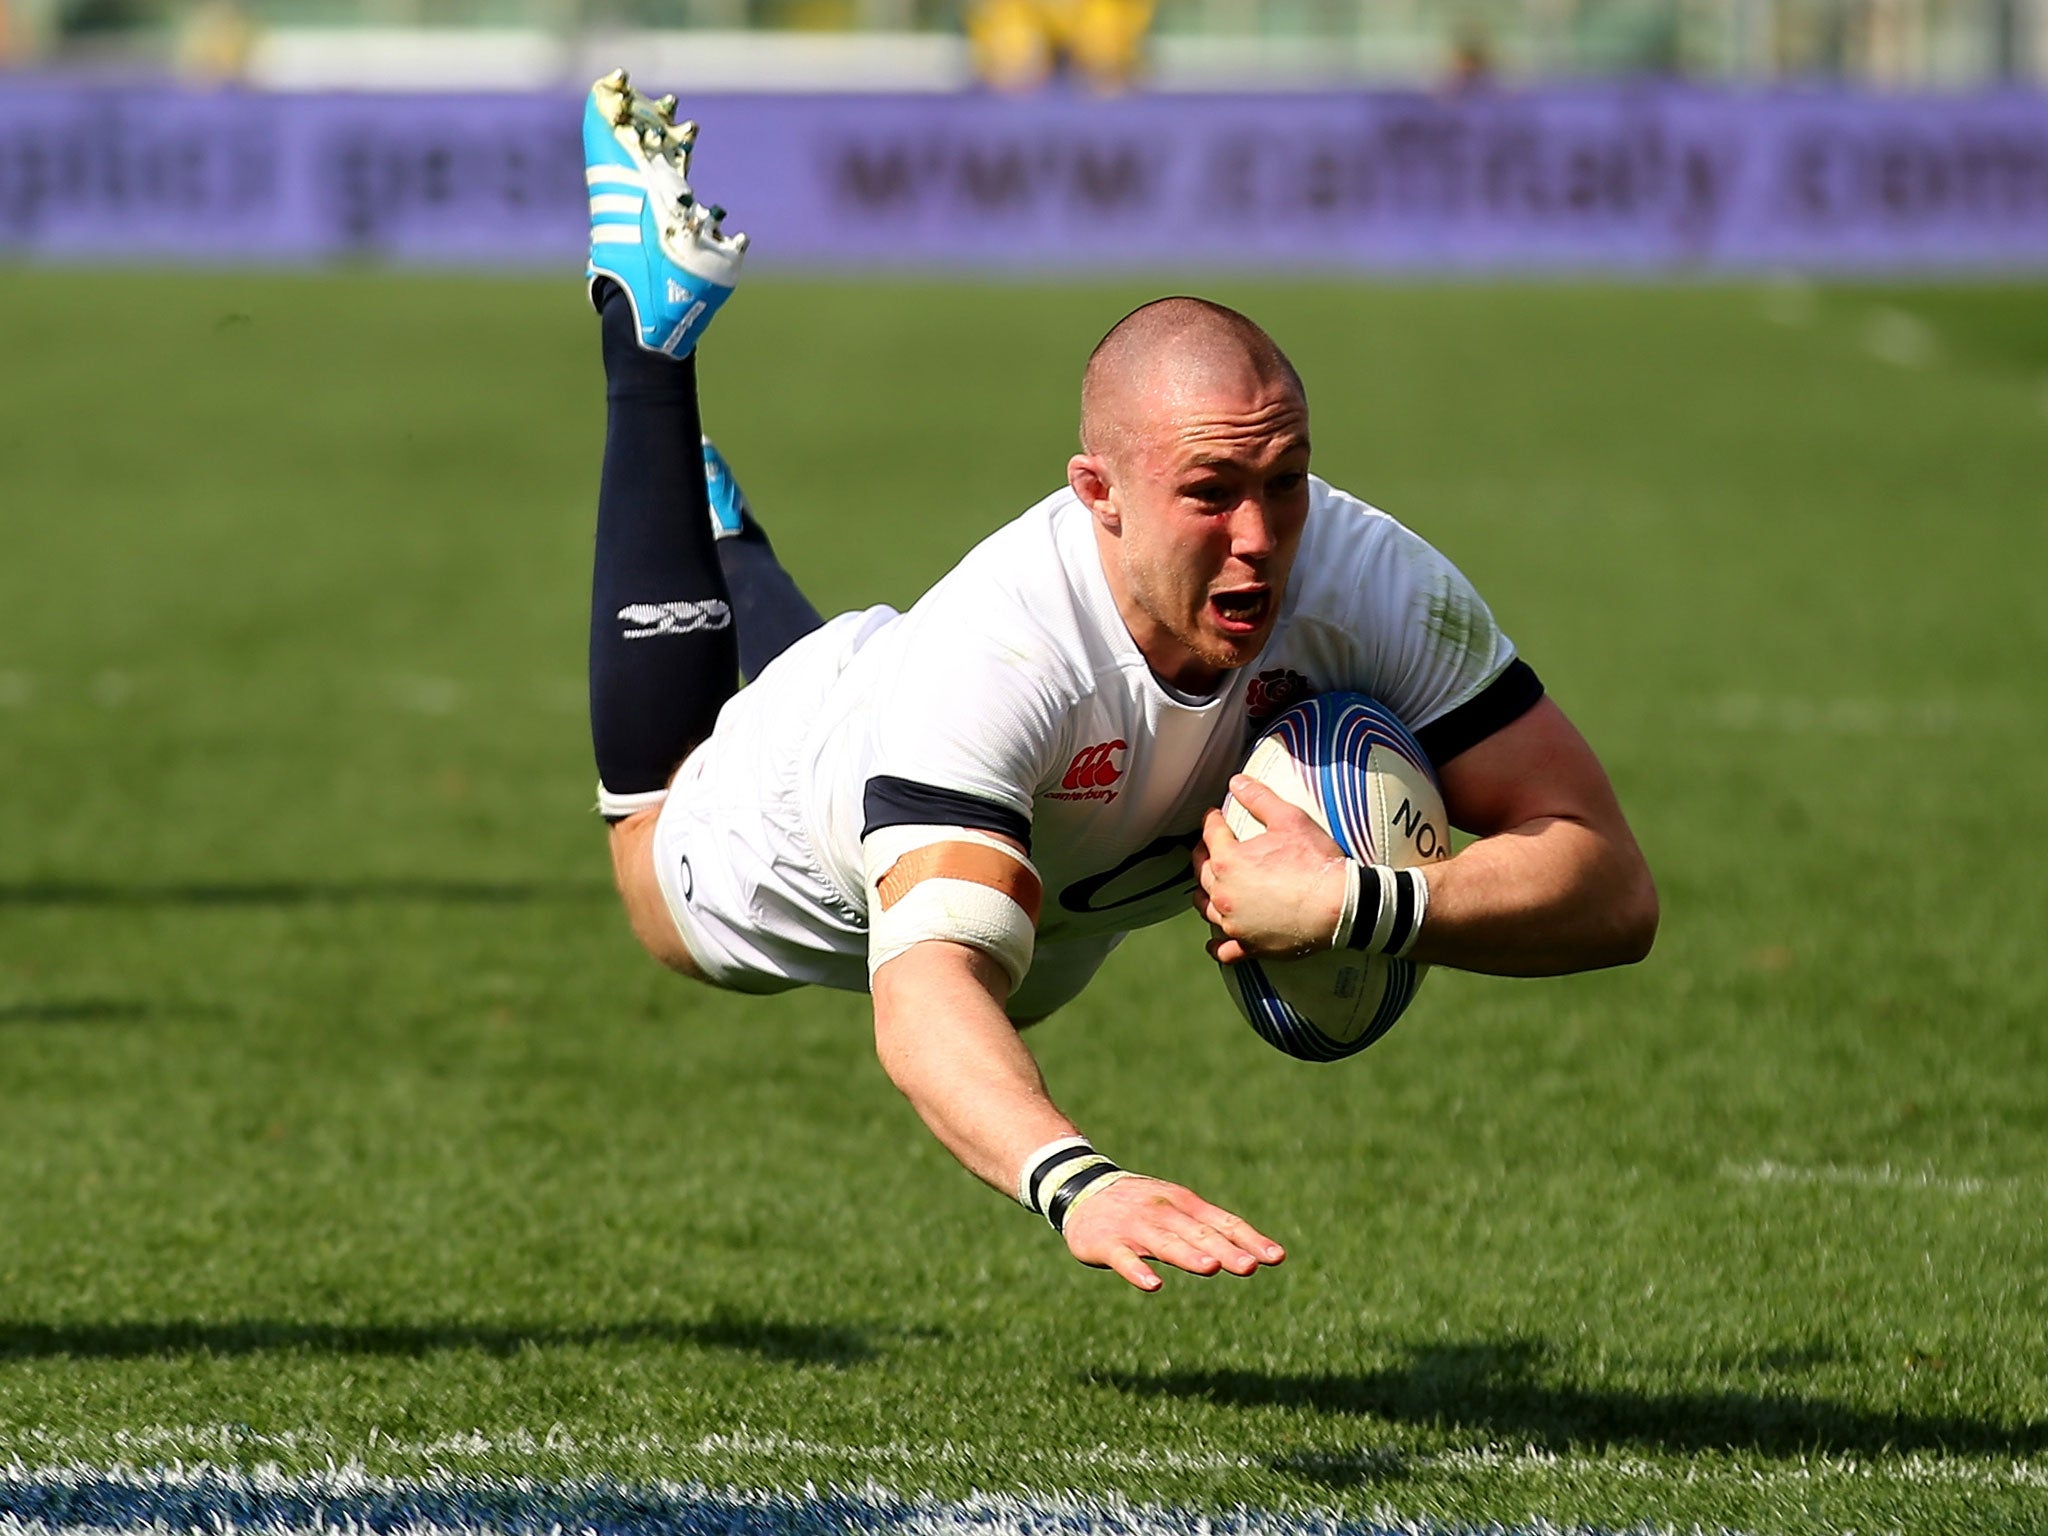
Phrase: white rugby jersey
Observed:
(1013, 698)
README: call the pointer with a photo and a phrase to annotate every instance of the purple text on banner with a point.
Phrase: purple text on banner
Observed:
(1661, 177)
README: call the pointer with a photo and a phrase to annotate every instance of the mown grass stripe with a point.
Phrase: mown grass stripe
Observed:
(207, 1445)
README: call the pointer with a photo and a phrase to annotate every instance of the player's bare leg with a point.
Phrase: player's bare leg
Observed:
(632, 845)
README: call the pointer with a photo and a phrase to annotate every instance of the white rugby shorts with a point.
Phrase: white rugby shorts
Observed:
(734, 859)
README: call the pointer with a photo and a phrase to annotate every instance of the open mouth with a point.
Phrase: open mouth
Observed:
(1241, 611)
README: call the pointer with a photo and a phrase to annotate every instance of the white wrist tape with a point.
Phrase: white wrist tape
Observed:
(953, 883)
(1347, 915)
(1061, 1174)
(1383, 909)
(1037, 1165)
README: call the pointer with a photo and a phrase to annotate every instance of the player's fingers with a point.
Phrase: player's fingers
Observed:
(1125, 1261)
(1265, 803)
(1231, 1226)
(1199, 1248)
(1225, 951)
(1213, 904)
(1179, 1230)
(1216, 833)
(1182, 1251)
(1249, 1238)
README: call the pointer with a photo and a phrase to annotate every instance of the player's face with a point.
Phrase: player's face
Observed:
(1208, 513)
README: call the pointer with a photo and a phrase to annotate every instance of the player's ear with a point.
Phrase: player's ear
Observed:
(1089, 478)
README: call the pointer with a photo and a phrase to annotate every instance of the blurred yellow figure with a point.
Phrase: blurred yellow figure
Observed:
(215, 41)
(1019, 44)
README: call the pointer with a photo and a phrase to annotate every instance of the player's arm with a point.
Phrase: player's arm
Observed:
(946, 957)
(1555, 882)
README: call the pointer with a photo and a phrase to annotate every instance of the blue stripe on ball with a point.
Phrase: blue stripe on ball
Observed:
(1325, 734)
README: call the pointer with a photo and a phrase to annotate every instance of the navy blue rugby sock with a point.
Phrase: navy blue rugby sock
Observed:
(772, 610)
(664, 657)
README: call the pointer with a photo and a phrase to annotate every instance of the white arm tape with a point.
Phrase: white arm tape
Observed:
(942, 901)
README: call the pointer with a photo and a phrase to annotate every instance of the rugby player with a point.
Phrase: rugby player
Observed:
(963, 808)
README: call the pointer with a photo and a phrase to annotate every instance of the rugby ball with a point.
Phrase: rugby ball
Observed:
(1351, 764)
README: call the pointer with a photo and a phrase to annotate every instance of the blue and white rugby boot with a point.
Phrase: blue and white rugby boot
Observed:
(728, 501)
(648, 232)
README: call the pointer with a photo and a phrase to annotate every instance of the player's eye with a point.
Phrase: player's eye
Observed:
(1286, 484)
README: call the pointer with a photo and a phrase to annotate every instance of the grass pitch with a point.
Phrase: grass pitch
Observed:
(345, 1125)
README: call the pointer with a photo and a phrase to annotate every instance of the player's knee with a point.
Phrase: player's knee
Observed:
(632, 847)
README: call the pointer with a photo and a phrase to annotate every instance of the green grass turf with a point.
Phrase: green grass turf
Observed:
(342, 1117)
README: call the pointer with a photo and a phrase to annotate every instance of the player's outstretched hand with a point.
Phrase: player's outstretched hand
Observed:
(1279, 893)
(1139, 1218)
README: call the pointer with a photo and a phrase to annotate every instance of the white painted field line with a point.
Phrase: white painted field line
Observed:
(1901, 338)
(348, 1502)
(1882, 1176)
(430, 694)
(113, 690)
(424, 695)
(725, 1449)
(1793, 716)
(1788, 300)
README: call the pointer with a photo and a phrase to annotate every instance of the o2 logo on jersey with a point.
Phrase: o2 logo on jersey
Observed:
(1090, 774)
(1162, 867)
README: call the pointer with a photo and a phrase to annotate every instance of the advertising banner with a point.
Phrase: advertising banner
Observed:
(1637, 177)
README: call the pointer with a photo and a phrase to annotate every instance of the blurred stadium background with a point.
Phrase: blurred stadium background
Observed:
(353, 1153)
(925, 44)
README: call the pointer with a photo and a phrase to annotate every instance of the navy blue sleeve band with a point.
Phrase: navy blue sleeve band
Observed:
(894, 802)
(1500, 703)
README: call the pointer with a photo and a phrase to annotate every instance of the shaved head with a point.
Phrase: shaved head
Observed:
(1194, 467)
(1167, 352)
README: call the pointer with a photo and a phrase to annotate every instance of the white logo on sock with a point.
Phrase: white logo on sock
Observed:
(674, 618)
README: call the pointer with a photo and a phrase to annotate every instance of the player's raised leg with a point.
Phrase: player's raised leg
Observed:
(771, 611)
(663, 656)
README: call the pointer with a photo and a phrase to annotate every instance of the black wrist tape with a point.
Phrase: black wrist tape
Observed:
(1059, 1176)
(1387, 906)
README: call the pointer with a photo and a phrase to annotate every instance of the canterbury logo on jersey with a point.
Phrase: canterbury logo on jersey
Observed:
(1090, 774)
(673, 618)
(1094, 767)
